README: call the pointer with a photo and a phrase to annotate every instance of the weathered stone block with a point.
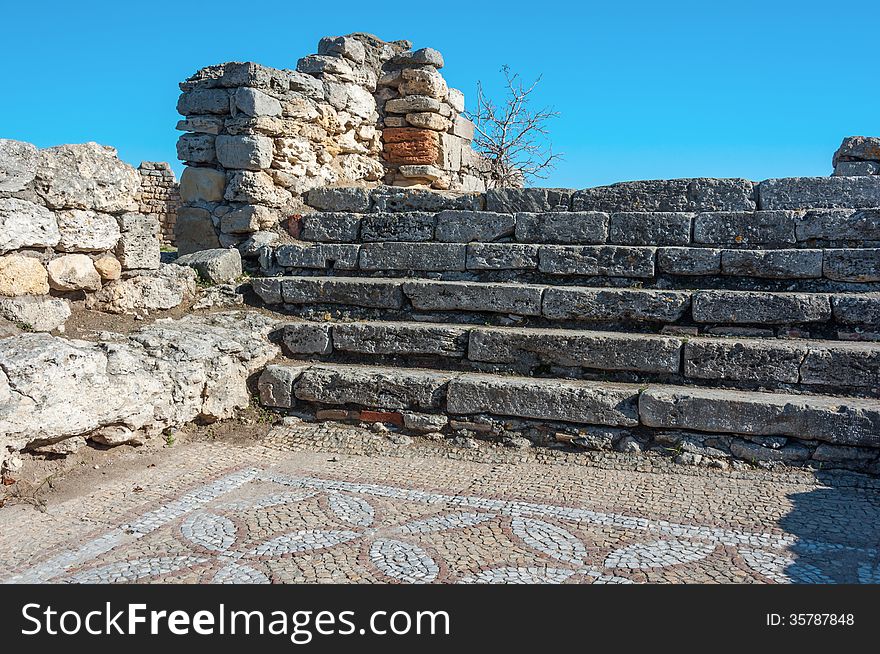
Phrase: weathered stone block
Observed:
(254, 102)
(401, 338)
(772, 264)
(20, 275)
(202, 185)
(217, 266)
(408, 145)
(248, 219)
(673, 195)
(606, 260)
(412, 103)
(839, 225)
(861, 309)
(530, 200)
(331, 227)
(689, 261)
(138, 246)
(413, 256)
(368, 386)
(853, 265)
(39, 312)
(25, 224)
(396, 200)
(566, 347)
(570, 401)
(86, 231)
(361, 292)
(307, 338)
(339, 256)
(750, 360)
(352, 199)
(856, 168)
(73, 272)
(559, 227)
(244, 152)
(203, 101)
(18, 165)
(745, 228)
(422, 57)
(819, 192)
(397, 227)
(502, 256)
(196, 148)
(519, 299)
(201, 124)
(606, 304)
(268, 289)
(276, 385)
(842, 364)
(857, 148)
(650, 228)
(757, 307)
(194, 231)
(467, 226)
(845, 421)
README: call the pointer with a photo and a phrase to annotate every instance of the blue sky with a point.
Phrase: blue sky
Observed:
(645, 89)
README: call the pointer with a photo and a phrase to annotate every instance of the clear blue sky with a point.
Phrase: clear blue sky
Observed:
(646, 89)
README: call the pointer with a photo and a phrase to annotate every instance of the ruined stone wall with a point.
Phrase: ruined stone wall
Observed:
(70, 229)
(361, 111)
(857, 156)
(160, 197)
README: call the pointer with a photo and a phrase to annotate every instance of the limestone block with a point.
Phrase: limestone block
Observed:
(320, 64)
(138, 246)
(750, 360)
(502, 256)
(607, 260)
(202, 185)
(203, 101)
(423, 81)
(518, 299)
(255, 187)
(857, 148)
(201, 124)
(463, 128)
(673, 195)
(331, 227)
(346, 198)
(844, 421)
(856, 168)
(852, 265)
(408, 145)
(455, 98)
(306, 338)
(148, 290)
(400, 338)
(745, 228)
(842, 364)
(25, 224)
(20, 275)
(650, 228)
(194, 231)
(343, 46)
(772, 264)
(760, 308)
(420, 172)
(567, 347)
(361, 292)
(108, 267)
(395, 200)
(562, 227)
(861, 309)
(570, 401)
(412, 256)
(254, 102)
(244, 152)
(196, 148)
(73, 272)
(368, 386)
(86, 231)
(530, 200)
(689, 261)
(339, 256)
(423, 57)
(467, 226)
(413, 104)
(18, 165)
(276, 385)
(410, 227)
(614, 305)
(819, 192)
(217, 266)
(40, 313)
(426, 120)
(268, 289)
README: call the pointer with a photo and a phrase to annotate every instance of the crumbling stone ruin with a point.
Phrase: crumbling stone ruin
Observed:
(159, 197)
(361, 111)
(705, 319)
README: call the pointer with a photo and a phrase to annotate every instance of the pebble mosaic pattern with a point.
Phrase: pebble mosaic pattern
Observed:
(306, 517)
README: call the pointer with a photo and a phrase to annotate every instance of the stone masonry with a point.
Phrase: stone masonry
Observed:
(362, 111)
(160, 197)
(857, 156)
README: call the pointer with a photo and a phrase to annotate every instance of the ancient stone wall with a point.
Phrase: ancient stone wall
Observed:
(857, 156)
(160, 197)
(361, 111)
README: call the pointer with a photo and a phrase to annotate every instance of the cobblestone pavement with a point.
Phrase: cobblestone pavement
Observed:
(314, 504)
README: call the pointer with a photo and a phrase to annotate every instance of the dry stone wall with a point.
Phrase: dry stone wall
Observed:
(160, 197)
(361, 111)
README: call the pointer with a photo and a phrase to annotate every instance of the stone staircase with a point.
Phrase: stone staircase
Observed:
(705, 318)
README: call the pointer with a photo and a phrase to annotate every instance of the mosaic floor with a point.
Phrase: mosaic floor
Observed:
(256, 514)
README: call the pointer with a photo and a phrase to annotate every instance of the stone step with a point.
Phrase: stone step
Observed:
(578, 303)
(776, 228)
(834, 420)
(639, 262)
(770, 363)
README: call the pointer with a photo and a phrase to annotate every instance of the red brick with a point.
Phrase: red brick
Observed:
(392, 418)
